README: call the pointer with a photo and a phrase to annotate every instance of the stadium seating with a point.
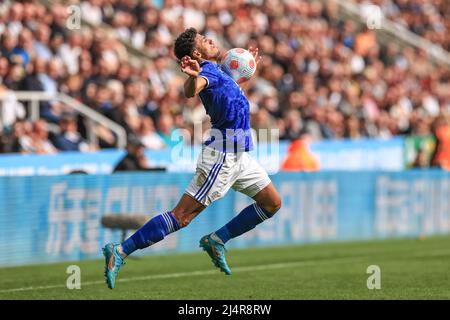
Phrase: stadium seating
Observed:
(320, 74)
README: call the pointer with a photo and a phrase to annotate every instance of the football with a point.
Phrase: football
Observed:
(239, 64)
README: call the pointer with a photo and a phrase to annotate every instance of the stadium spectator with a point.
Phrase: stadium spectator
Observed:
(10, 141)
(420, 145)
(8, 43)
(292, 125)
(422, 160)
(32, 80)
(41, 43)
(134, 159)
(24, 48)
(37, 140)
(166, 128)
(441, 157)
(148, 136)
(69, 139)
(263, 122)
(69, 53)
(299, 156)
(11, 109)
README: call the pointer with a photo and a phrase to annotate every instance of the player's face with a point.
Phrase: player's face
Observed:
(207, 47)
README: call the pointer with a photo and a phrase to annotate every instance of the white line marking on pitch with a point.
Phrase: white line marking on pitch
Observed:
(194, 273)
(214, 271)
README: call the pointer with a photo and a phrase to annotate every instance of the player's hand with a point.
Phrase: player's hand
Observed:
(190, 66)
(255, 54)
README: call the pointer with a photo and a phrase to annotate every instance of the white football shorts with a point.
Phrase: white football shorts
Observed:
(217, 172)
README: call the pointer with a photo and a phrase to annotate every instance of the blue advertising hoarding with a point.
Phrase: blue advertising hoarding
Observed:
(361, 154)
(57, 218)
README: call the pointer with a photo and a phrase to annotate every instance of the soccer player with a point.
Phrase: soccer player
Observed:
(224, 162)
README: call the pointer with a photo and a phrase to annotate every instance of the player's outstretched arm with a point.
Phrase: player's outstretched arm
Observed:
(194, 84)
(255, 53)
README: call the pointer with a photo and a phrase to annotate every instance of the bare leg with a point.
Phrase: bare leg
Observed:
(158, 227)
(268, 202)
(268, 199)
(186, 210)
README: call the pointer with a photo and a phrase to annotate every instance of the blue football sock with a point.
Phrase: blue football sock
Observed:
(245, 221)
(153, 231)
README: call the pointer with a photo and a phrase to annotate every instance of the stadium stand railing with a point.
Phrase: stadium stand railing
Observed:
(35, 97)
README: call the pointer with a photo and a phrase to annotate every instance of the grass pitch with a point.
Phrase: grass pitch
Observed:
(410, 269)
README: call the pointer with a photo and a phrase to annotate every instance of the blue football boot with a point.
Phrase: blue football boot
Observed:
(113, 263)
(216, 251)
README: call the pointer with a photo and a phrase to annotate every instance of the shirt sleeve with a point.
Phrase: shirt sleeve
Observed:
(209, 72)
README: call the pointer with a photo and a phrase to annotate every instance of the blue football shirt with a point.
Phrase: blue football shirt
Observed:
(229, 109)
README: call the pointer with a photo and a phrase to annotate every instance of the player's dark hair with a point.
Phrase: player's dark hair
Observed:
(185, 43)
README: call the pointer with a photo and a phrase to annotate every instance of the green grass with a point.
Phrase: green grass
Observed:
(410, 269)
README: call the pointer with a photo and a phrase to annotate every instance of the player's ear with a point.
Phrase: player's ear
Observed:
(196, 54)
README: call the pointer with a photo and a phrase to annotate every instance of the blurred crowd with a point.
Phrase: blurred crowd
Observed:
(320, 75)
(428, 18)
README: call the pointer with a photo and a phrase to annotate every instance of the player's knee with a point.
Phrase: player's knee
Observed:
(272, 207)
(182, 218)
(275, 206)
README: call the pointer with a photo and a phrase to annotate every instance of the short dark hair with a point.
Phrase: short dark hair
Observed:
(185, 43)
